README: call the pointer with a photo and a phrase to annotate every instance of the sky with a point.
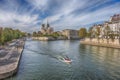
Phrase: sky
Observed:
(28, 15)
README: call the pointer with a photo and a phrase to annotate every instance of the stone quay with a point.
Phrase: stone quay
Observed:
(10, 57)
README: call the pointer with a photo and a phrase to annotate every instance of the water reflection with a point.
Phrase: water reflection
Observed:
(105, 60)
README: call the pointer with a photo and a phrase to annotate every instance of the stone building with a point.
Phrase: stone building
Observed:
(114, 24)
(95, 30)
(112, 27)
(46, 29)
(43, 29)
(115, 18)
(71, 34)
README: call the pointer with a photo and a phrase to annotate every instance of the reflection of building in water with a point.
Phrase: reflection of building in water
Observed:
(46, 29)
(103, 54)
(71, 34)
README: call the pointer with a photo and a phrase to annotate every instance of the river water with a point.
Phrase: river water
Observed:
(41, 61)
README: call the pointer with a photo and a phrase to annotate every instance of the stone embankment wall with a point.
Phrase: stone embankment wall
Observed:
(102, 42)
(43, 38)
(49, 38)
(10, 69)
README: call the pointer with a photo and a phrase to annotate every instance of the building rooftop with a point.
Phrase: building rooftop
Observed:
(69, 30)
(115, 17)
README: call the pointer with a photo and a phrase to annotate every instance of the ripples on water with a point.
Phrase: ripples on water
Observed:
(45, 50)
(40, 61)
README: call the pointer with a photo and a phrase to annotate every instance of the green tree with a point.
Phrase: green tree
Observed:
(89, 34)
(8, 34)
(0, 35)
(83, 32)
(107, 31)
(55, 35)
(98, 31)
(112, 36)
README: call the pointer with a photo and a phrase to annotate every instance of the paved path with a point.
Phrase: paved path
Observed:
(8, 54)
(10, 61)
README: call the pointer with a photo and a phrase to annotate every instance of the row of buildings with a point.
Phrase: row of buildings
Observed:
(68, 33)
(110, 27)
(107, 28)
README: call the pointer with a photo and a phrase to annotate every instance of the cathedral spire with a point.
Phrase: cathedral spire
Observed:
(48, 24)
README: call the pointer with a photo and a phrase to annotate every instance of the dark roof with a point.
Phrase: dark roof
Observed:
(115, 17)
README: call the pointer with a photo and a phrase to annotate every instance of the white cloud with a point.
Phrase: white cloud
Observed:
(11, 19)
(85, 18)
(39, 4)
(60, 13)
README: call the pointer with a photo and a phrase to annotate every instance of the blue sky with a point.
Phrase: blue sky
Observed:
(27, 15)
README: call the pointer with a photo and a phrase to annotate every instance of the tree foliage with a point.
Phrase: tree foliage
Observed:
(107, 31)
(83, 32)
(89, 33)
(7, 34)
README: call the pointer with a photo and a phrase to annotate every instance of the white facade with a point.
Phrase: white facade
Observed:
(71, 34)
(113, 24)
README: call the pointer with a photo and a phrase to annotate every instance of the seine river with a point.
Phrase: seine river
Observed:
(41, 61)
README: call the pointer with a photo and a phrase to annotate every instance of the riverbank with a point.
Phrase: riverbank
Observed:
(48, 38)
(102, 42)
(10, 58)
(43, 38)
(53, 39)
(41, 61)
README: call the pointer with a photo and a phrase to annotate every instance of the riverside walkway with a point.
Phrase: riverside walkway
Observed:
(9, 59)
(102, 43)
